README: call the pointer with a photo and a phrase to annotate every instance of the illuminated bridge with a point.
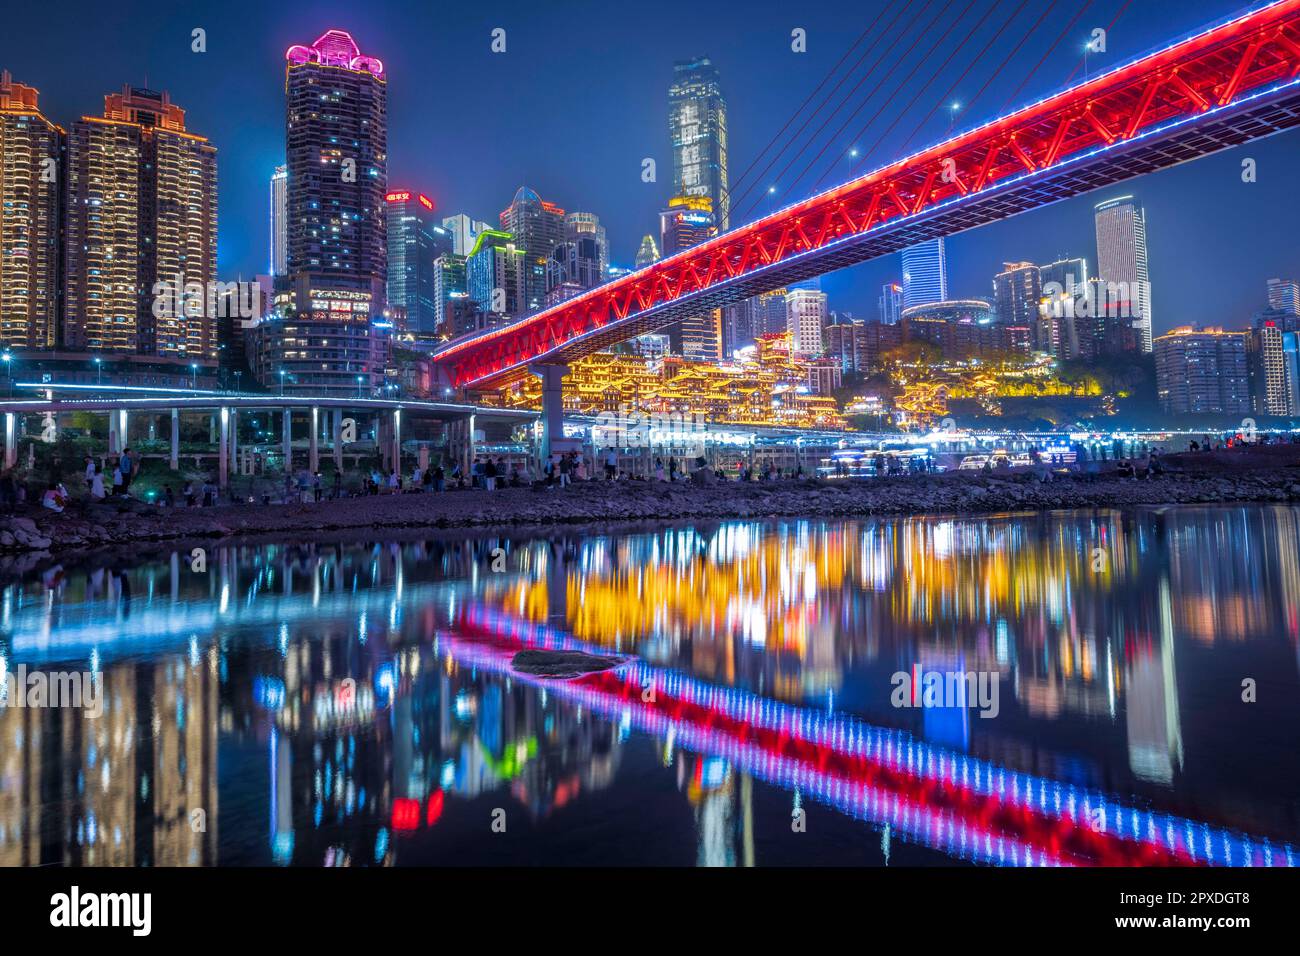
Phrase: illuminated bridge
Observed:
(962, 805)
(1226, 85)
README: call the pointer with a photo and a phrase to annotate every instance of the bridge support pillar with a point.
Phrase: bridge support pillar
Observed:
(173, 460)
(223, 450)
(286, 436)
(552, 377)
(396, 453)
(337, 444)
(11, 439)
(313, 448)
(114, 438)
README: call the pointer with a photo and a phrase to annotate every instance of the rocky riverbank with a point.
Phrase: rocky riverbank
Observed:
(123, 523)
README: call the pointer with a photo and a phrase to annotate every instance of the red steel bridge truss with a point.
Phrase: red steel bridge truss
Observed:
(1227, 85)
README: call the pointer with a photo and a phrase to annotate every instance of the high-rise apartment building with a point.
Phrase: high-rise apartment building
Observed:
(805, 317)
(1122, 260)
(1202, 371)
(328, 335)
(279, 265)
(31, 178)
(925, 273)
(537, 227)
(336, 136)
(1272, 386)
(697, 125)
(142, 211)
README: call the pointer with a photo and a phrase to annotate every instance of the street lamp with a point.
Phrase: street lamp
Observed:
(281, 382)
(9, 369)
(952, 114)
(194, 375)
(99, 370)
(358, 386)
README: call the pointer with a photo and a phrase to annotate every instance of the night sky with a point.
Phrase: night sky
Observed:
(580, 97)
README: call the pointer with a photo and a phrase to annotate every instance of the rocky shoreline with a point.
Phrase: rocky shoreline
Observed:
(122, 523)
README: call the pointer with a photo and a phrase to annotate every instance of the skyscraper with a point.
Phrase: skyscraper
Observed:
(337, 150)
(687, 222)
(326, 338)
(414, 242)
(697, 124)
(31, 153)
(537, 227)
(891, 303)
(464, 230)
(1271, 384)
(1122, 259)
(648, 253)
(280, 221)
(142, 210)
(925, 273)
(496, 274)
(1284, 296)
(580, 224)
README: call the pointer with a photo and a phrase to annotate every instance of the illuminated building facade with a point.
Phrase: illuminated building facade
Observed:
(697, 124)
(449, 286)
(647, 253)
(891, 303)
(687, 222)
(414, 242)
(1122, 257)
(1284, 296)
(805, 318)
(1202, 371)
(578, 225)
(336, 149)
(496, 274)
(925, 273)
(769, 387)
(142, 210)
(336, 139)
(1271, 384)
(537, 227)
(31, 154)
(464, 231)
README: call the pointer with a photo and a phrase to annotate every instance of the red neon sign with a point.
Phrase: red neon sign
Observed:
(397, 197)
(425, 201)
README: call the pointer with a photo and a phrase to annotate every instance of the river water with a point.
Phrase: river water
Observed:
(1112, 688)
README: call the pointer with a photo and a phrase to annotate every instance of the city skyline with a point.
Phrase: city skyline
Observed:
(1249, 255)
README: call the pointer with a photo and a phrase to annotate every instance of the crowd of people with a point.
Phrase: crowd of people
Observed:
(114, 478)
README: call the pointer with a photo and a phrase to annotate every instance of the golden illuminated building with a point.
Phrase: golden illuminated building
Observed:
(769, 388)
(142, 209)
(30, 152)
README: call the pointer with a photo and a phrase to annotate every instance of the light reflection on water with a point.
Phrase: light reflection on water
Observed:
(355, 704)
